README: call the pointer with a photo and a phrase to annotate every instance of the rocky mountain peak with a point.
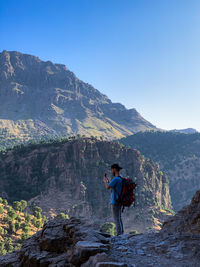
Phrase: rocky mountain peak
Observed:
(32, 89)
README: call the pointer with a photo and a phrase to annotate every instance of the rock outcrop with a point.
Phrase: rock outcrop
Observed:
(66, 176)
(62, 243)
(187, 220)
(74, 243)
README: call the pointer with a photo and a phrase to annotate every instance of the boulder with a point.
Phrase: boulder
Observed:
(187, 220)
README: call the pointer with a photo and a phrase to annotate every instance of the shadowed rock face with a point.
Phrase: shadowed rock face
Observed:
(74, 243)
(178, 155)
(67, 177)
(60, 243)
(38, 97)
(186, 220)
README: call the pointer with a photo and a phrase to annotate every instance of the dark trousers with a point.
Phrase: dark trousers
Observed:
(117, 216)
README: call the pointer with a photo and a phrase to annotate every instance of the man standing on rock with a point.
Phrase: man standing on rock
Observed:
(116, 187)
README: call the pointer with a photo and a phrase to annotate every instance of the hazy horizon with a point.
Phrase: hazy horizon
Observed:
(143, 54)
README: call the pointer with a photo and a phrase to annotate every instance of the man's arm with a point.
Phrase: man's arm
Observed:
(106, 182)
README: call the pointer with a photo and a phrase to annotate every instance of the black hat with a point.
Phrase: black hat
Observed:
(116, 166)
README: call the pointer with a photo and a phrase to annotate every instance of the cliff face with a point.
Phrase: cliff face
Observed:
(178, 155)
(67, 176)
(40, 98)
(187, 219)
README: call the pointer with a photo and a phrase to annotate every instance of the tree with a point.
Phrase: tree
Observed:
(11, 228)
(25, 227)
(20, 205)
(17, 226)
(37, 209)
(37, 212)
(17, 205)
(18, 218)
(1, 209)
(38, 215)
(5, 202)
(2, 248)
(34, 221)
(38, 224)
(27, 217)
(12, 214)
(23, 204)
(24, 236)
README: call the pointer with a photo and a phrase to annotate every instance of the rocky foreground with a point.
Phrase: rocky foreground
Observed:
(75, 243)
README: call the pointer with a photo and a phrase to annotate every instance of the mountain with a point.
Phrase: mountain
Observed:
(186, 131)
(66, 176)
(40, 98)
(76, 243)
(178, 155)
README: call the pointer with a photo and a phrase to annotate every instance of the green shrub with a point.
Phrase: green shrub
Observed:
(62, 215)
(134, 232)
(109, 228)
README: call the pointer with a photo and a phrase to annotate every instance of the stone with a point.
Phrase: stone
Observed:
(111, 264)
(74, 243)
(187, 220)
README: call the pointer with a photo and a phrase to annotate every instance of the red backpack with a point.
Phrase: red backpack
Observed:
(127, 197)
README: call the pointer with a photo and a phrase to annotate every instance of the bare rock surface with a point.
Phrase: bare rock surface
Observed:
(75, 243)
(187, 219)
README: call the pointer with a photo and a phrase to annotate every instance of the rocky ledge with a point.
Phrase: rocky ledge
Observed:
(76, 243)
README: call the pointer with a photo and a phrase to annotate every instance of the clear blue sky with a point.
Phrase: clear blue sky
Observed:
(142, 53)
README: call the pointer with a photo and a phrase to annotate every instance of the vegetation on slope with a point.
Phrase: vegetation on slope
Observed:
(178, 155)
(71, 170)
(16, 225)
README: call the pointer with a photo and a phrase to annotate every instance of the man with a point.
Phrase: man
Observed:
(116, 186)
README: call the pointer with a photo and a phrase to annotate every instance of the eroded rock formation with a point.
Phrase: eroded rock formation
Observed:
(74, 243)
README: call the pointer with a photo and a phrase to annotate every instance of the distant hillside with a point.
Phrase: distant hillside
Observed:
(17, 225)
(66, 176)
(40, 98)
(178, 155)
(186, 131)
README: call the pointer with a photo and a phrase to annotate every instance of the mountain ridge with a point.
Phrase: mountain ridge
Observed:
(178, 155)
(40, 92)
(72, 170)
